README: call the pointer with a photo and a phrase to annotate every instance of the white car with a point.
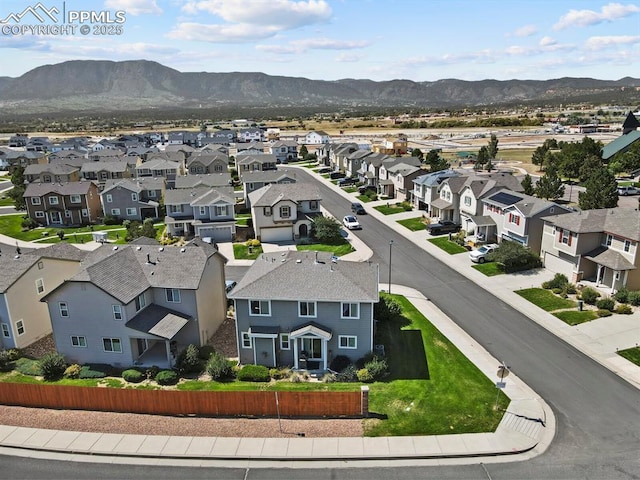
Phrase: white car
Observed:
(479, 255)
(628, 190)
(350, 222)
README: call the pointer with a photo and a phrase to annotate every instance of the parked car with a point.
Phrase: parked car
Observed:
(445, 226)
(229, 284)
(362, 189)
(324, 170)
(336, 175)
(347, 181)
(357, 208)
(628, 190)
(479, 255)
(351, 223)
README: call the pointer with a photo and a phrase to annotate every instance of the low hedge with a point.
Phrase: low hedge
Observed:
(167, 377)
(254, 373)
(133, 376)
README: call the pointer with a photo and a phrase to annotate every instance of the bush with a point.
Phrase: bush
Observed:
(110, 220)
(604, 313)
(5, 363)
(558, 281)
(27, 366)
(72, 371)
(14, 354)
(361, 362)
(387, 309)
(29, 223)
(622, 295)
(151, 372)
(279, 373)
(364, 376)
(339, 363)
(589, 295)
(349, 374)
(205, 352)
(52, 366)
(132, 376)
(189, 361)
(606, 303)
(377, 368)
(634, 298)
(252, 243)
(406, 206)
(570, 289)
(254, 373)
(167, 377)
(219, 367)
(513, 257)
(624, 309)
(91, 371)
(557, 291)
(328, 378)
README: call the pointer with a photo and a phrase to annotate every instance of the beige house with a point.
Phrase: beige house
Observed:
(25, 279)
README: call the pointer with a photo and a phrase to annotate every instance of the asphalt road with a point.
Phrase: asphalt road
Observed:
(598, 414)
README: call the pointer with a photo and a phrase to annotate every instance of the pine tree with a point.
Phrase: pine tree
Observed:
(17, 192)
(527, 184)
(601, 190)
(493, 146)
(550, 185)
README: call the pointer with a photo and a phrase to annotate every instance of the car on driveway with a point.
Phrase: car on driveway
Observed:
(444, 226)
(343, 182)
(628, 190)
(479, 255)
(362, 189)
(350, 222)
(336, 175)
(358, 209)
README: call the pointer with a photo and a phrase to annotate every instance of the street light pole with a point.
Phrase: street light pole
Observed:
(390, 245)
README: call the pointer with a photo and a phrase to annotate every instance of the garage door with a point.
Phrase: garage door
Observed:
(218, 234)
(558, 265)
(280, 234)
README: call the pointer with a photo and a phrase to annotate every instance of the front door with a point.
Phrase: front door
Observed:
(312, 350)
(55, 217)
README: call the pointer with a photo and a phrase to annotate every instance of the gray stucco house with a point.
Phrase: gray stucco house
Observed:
(133, 198)
(139, 304)
(304, 308)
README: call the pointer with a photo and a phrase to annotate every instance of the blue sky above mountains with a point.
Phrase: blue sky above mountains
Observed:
(420, 40)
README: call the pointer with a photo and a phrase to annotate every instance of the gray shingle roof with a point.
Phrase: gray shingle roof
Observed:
(295, 275)
(198, 195)
(435, 178)
(271, 194)
(263, 176)
(113, 167)
(53, 168)
(624, 222)
(249, 158)
(65, 188)
(135, 184)
(204, 180)
(159, 321)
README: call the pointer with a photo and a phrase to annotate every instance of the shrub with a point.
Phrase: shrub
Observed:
(328, 378)
(513, 257)
(622, 295)
(219, 367)
(634, 298)
(558, 281)
(14, 354)
(91, 371)
(60, 234)
(152, 372)
(406, 206)
(110, 220)
(589, 295)
(339, 363)
(253, 243)
(72, 371)
(606, 303)
(361, 362)
(254, 373)
(167, 377)
(279, 373)
(377, 368)
(27, 366)
(570, 289)
(52, 366)
(604, 313)
(189, 361)
(557, 291)
(364, 376)
(387, 309)
(349, 374)
(29, 223)
(205, 352)
(624, 309)
(5, 363)
(132, 376)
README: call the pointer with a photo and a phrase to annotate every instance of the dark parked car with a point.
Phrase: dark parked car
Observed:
(347, 181)
(334, 175)
(357, 208)
(445, 226)
(324, 170)
(366, 188)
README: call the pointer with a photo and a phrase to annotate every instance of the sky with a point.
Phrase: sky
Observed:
(419, 40)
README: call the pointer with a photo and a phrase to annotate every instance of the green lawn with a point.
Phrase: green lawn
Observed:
(490, 269)
(350, 189)
(432, 389)
(241, 252)
(390, 209)
(366, 198)
(338, 249)
(413, 224)
(242, 219)
(6, 201)
(631, 354)
(448, 246)
(574, 317)
(545, 299)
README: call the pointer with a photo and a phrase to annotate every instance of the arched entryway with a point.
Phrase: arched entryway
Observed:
(304, 230)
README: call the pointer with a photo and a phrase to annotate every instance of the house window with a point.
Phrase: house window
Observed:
(467, 201)
(40, 286)
(285, 212)
(40, 265)
(53, 200)
(284, 341)
(64, 309)
(173, 295)
(307, 309)
(259, 307)
(134, 197)
(246, 340)
(109, 198)
(131, 212)
(151, 193)
(313, 205)
(217, 168)
(347, 341)
(115, 211)
(35, 201)
(75, 199)
(39, 214)
(175, 208)
(350, 310)
(104, 175)
(267, 211)
(20, 327)
(514, 219)
(221, 210)
(78, 341)
(566, 235)
(5, 330)
(140, 302)
(112, 345)
(117, 312)
(609, 240)
(627, 245)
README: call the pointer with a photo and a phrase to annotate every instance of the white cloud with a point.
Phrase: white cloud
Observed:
(348, 58)
(301, 46)
(239, 33)
(284, 14)
(547, 41)
(584, 18)
(598, 43)
(525, 31)
(134, 7)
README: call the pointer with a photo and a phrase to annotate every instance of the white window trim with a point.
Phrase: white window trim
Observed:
(115, 211)
(20, 325)
(6, 330)
(111, 339)
(79, 343)
(131, 211)
(39, 214)
(349, 303)
(85, 212)
(64, 309)
(77, 197)
(175, 295)
(245, 340)
(134, 197)
(260, 314)
(347, 337)
(40, 284)
(141, 300)
(315, 310)
(36, 201)
(627, 246)
(117, 310)
(54, 200)
(283, 341)
(109, 198)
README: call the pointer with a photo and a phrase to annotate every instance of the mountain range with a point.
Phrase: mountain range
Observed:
(88, 85)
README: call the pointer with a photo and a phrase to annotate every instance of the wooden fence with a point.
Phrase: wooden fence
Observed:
(170, 402)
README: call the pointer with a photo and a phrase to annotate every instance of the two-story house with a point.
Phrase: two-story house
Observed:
(388, 171)
(252, 134)
(254, 180)
(597, 245)
(204, 180)
(101, 172)
(317, 137)
(133, 198)
(63, 155)
(426, 187)
(48, 173)
(202, 212)
(369, 172)
(284, 212)
(285, 150)
(253, 163)
(159, 168)
(202, 163)
(139, 304)
(25, 279)
(304, 309)
(395, 146)
(24, 159)
(63, 204)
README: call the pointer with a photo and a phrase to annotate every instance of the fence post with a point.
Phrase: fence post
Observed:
(364, 397)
